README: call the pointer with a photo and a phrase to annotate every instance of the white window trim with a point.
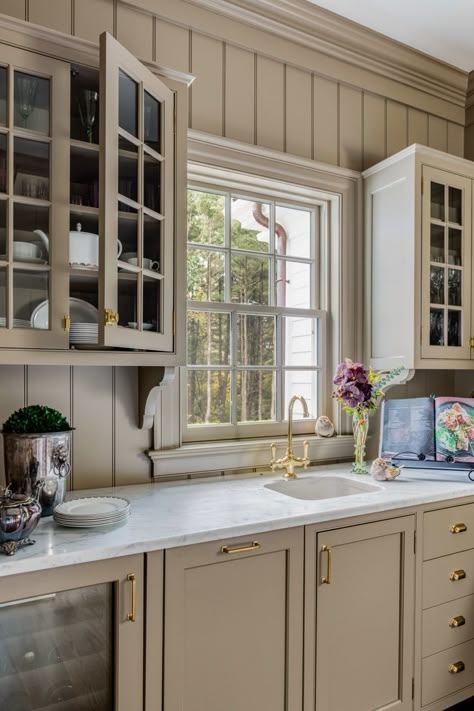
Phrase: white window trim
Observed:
(343, 289)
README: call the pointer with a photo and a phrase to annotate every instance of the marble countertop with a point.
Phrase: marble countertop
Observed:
(176, 514)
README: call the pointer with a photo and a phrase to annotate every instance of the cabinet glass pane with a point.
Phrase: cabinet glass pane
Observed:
(128, 170)
(305, 383)
(151, 303)
(455, 205)
(249, 225)
(3, 229)
(3, 305)
(152, 122)
(208, 397)
(127, 247)
(255, 339)
(293, 284)
(437, 243)
(31, 102)
(205, 280)
(205, 217)
(255, 395)
(152, 183)
(151, 243)
(57, 652)
(31, 163)
(128, 299)
(437, 201)
(30, 234)
(454, 287)
(30, 288)
(455, 246)
(84, 104)
(292, 232)
(3, 96)
(249, 278)
(437, 285)
(208, 338)
(84, 177)
(436, 327)
(454, 328)
(3, 163)
(128, 104)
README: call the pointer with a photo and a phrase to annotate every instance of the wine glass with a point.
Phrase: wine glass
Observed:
(87, 111)
(26, 90)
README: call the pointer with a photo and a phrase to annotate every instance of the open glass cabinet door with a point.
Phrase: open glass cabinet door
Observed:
(137, 203)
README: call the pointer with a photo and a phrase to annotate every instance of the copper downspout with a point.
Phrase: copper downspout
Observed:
(281, 247)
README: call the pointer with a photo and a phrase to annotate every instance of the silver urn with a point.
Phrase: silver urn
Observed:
(34, 458)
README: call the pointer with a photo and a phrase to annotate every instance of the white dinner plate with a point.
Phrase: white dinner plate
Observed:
(75, 524)
(92, 521)
(92, 506)
(80, 311)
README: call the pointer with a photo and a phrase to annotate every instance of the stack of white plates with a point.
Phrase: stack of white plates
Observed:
(89, 512)
(84, 333)
(17, 323)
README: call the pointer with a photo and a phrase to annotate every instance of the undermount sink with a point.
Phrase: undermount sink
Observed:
(325, 487)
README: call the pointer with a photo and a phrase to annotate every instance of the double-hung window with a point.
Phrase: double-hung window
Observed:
(255, 327)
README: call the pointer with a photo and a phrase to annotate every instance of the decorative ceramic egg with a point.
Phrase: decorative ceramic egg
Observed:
(324, 427)
(382, 470)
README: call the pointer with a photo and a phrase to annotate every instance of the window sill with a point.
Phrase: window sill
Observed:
(211, 457)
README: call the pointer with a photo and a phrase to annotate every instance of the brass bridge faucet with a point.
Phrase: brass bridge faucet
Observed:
(290, 461)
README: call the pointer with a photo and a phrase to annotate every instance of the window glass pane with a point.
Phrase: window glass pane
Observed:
(249, 278)
(454, 287)
(151, 303)
(436, 327)
(30, 234)
(3, 163)
(205, 217)
(3, 297)
(208, 397)
(305, 383)
(128, 170)
(152, 122)
(127, 245)
(31, 102)
(293, 284)
(256, 395)
(31, 169)
(437, 285)
(455, 246)
(300, 339)
(128, 104)
(208, 338)
(292, 232)
(455, 205)
(249, 225)
(3, 229)
(437, 201)
(30, 289)
(205, 275)
(152, 184)
(255, 340)
(454, 328)
(3, 96)
(151, 243)
(437, 253)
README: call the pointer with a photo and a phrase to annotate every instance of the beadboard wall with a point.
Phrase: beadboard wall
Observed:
(101, 403)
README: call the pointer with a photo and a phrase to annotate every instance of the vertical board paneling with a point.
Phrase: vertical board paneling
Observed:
(56, 14)
(92, 409)
(92, 17)
(132, 465)
(326, 121)
(135, 31)
(437, 133)
(299, 112)
(417, 127)
(12, 389)
(350, 128)
(206, 92)
(50, 385)
(16, 8)
(374, 129)
(172, 46)
(456, 139)
(270, 103)
(240, 94)
(397, 127)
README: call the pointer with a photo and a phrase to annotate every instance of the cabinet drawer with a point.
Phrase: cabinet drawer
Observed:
(447, 531)
(438, 681)
(439, 578)
(447, 625)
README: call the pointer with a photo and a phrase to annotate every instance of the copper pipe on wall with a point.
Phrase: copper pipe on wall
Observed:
(281, 247)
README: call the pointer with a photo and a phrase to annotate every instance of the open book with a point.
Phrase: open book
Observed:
(439, 428)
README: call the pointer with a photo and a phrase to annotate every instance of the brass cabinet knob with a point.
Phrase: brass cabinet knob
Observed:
(458, 621)
(457, 575)
(456, 668)
(458, 528)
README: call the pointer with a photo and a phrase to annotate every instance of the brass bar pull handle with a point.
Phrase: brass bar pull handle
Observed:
(457, 621)
(327, 579)
(456, 668)
(457, 575)
(132, 616)
(458, 528)
(241, 549)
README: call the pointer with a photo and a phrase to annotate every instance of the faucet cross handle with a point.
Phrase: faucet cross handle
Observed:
(273, 462)
(305, 454)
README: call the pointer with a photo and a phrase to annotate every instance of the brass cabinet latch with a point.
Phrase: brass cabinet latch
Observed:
(111, 317)
(457, 575)
(458, 621)
(471, 343)
(458, 528)
(67, 323)
(456, 668)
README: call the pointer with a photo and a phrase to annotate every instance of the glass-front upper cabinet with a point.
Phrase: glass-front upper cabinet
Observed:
(447, 281)
(34, 189)
(137, 203)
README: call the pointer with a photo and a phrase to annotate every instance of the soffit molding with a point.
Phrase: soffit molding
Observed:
(337, 37)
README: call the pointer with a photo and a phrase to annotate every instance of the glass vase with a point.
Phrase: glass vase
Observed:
(360, 427)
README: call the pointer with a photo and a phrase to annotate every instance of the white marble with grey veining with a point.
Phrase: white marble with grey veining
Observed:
(176, 514)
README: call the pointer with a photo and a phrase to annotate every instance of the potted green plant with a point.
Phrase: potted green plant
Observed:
(37, 448)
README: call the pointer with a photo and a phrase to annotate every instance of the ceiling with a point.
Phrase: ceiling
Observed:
(439, 28)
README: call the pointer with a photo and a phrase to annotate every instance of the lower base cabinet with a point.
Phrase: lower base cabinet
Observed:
(71, 639)
(233, 624)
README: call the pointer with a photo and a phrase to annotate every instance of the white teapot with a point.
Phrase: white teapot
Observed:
(83, 247)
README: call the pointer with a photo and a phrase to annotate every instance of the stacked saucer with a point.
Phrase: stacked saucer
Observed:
(84, 333)
(92, 511)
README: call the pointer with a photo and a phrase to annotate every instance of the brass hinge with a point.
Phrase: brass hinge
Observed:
(111, 317)
(471, 343)
(67, 323)
(413, 688)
